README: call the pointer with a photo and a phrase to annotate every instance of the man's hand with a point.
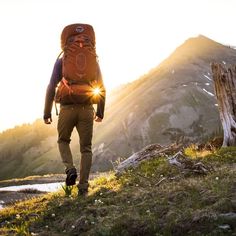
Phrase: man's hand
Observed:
(97, 119)
(48, 121)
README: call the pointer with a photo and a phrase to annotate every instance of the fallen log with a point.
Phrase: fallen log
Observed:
(179, 160)
(187, 165)
(146, 153)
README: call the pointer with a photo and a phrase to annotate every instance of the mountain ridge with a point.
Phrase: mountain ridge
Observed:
(172, 99)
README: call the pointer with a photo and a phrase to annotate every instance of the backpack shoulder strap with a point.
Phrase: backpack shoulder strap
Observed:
(60, 54)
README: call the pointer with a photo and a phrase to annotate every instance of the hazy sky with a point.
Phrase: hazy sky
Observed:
(133, 36)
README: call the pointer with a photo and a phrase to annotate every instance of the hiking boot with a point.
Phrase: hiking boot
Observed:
(71, 176)
(83, 192)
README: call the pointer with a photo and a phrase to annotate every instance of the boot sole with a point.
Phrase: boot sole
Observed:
(70, 180)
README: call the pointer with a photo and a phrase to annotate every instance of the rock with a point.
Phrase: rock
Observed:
(231, 216)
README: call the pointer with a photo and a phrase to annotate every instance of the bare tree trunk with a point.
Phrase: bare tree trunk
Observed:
(225, 89)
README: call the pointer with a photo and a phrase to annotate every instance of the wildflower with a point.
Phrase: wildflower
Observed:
(17, 216)
(136, 185)
(72, 226)
(46, 226)
(217, 178)
(92, 222)
(148, 211)
(53, 215)
(98, 201)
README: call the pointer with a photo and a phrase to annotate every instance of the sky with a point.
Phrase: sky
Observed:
(132, 37)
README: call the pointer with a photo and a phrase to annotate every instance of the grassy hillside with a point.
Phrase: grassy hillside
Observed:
(154, 199)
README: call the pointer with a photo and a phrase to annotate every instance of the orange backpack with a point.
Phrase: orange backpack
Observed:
(79, 66)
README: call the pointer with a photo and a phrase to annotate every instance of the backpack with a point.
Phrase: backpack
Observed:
(79, 66)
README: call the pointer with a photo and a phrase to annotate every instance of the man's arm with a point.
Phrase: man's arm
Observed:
(50, 93)
(101, 103)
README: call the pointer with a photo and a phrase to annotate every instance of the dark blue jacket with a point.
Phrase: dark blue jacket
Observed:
(55, 79)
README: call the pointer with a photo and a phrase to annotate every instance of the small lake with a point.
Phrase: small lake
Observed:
(46, 187)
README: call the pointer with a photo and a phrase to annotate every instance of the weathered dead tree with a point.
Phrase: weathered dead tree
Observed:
(225, 89)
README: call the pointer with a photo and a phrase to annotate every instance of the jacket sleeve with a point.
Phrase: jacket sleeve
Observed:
(51, 88)
(101, 103)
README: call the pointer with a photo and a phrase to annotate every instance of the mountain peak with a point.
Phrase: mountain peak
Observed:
(200, 47)
(200, 42)
(202, 37)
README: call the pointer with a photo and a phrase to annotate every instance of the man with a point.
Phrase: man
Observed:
(76, 111)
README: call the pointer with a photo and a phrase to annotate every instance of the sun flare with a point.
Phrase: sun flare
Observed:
(96, 91)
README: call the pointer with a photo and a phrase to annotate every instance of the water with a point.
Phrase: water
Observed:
(48, 187)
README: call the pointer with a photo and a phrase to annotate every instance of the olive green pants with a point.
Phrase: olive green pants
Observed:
(81, 117)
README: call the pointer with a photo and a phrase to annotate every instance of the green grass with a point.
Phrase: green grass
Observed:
(154, 199)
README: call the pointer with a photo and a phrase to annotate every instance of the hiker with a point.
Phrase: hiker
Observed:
(76, 83)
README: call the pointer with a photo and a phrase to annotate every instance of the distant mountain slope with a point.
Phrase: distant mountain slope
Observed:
(25, 151)
(174, 101)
